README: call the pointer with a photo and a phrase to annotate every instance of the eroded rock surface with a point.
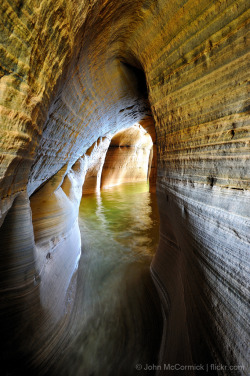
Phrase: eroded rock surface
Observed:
(73, 72)
(95, 157)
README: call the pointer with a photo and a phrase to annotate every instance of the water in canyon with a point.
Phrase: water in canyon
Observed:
(117, 321)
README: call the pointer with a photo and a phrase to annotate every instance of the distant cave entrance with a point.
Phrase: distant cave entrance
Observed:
(129, 158)
(131, 155)
(134, 75)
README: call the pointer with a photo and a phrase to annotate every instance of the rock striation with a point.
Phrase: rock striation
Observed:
(75, 72)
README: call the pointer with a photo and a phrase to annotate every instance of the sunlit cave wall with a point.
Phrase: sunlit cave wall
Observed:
(75, 72)
(128, 158)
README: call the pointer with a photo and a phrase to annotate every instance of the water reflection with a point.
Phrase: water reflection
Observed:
(117, 318)
(127, 215)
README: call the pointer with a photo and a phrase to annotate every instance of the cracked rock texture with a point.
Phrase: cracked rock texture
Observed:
(73, 72)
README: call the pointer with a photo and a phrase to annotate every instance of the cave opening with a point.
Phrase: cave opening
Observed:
(129, 153)
(128, 157)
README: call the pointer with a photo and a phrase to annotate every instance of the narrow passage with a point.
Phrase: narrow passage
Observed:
(118, 310)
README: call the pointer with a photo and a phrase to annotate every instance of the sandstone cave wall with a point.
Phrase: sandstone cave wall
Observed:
(127, 159)
(75, 71)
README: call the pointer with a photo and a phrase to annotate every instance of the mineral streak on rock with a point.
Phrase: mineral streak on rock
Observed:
(75, 71)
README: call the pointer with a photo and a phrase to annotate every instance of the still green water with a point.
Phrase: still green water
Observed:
(117, 317)
(122, 219)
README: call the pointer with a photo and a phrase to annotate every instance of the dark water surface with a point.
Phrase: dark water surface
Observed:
(117, 318)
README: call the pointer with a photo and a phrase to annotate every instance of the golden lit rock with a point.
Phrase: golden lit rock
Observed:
(127, 159)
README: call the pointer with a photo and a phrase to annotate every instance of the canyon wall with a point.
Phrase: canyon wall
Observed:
(73, 72)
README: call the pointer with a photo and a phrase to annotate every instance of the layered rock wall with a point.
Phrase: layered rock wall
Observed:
(75, 71)
(38, 40)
